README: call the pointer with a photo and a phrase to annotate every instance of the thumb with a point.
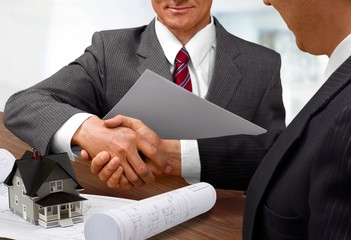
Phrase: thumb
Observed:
(85, 155)
(114, 122)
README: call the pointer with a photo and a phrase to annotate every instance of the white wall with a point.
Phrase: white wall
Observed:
(38, 37)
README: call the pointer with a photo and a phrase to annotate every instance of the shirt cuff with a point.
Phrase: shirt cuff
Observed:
(61, 141)
(190, 157)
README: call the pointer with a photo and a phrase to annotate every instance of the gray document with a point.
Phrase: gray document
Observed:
(175, 113)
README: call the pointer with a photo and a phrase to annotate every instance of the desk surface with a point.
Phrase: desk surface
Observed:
(223, 221)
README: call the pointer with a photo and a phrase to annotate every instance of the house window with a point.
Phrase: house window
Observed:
(23, 190)
(56, 186)
(41, 210)
(59, 185)
(16, 199)
(18, 183)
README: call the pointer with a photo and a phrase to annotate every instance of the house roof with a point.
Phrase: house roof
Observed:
(59, 198)
(35, 172)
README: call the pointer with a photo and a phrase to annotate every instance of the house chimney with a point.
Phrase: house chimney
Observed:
(36, 154)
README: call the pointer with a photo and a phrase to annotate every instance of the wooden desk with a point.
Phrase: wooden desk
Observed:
(223, 221)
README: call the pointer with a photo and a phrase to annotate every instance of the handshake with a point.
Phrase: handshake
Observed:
(125, 153)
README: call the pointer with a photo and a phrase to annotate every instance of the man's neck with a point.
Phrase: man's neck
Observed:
(185, 35)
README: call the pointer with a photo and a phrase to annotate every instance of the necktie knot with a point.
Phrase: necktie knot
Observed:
(182, 56)
(181, 72)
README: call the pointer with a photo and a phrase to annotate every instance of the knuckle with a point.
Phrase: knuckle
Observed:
(112, 184)
(153, 151)
(125, 184)
(138, 122)
(143, 171)
(150, 178)
(102, 177)
(115, 177)
(135, 180)
(131, 137)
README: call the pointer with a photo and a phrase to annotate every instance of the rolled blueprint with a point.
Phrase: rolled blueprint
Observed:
(148, 217)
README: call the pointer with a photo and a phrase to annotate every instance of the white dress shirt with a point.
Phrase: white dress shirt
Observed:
(340, 54)
(202, 51)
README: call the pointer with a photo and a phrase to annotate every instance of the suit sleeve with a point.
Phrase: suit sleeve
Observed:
(270, 113)
(230, 162)
(36, 113)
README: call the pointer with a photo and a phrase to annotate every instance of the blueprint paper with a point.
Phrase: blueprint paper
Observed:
(6, 163)
(148, 217)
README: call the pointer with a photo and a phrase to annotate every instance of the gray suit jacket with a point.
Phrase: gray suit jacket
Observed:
(246, 81)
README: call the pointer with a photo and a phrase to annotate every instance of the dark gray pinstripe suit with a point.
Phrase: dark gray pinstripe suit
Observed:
(245, 81)
(302, 188)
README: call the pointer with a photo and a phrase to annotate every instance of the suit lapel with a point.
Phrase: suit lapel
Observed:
(151, 54)
(226, 75)
(265, 171)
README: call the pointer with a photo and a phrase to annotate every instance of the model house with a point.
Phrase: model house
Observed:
(45, 191)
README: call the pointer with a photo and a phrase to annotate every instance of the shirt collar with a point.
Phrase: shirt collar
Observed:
(198, 46)
(341, 53)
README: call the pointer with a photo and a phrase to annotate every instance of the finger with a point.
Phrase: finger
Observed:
(137, 170)
(148, 142)
(99, 162)
(108, 170)
(84, 155)
(132, 176)
(155, 170)
(151, 153)
(121, 120)
(114, 122)
(115, 178)
(125, 184)
(134, 167)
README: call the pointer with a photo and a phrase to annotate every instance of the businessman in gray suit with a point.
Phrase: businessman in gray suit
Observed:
(66, 109)
(302, 186)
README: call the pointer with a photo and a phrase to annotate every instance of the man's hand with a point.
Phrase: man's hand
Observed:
(165, 154)
(123, 146)
(162, 156)
(112, 173)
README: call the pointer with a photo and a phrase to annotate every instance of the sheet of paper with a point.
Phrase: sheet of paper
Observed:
(148, 217)
(175, 113)
(14, 227)
(6, 163)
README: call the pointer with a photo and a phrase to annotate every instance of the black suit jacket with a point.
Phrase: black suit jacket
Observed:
(246, 81)
(302, 188)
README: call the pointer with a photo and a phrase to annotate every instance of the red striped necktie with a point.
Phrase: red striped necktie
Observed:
(181, 72)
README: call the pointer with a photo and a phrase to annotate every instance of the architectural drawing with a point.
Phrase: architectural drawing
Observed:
(150, 216)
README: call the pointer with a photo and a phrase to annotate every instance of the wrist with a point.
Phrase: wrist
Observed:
(86, 131)
(172, 153)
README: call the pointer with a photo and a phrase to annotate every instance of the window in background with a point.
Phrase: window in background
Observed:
(301, 73)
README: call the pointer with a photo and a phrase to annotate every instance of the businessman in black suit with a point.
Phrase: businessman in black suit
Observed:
(302, 186)
(67, 108)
